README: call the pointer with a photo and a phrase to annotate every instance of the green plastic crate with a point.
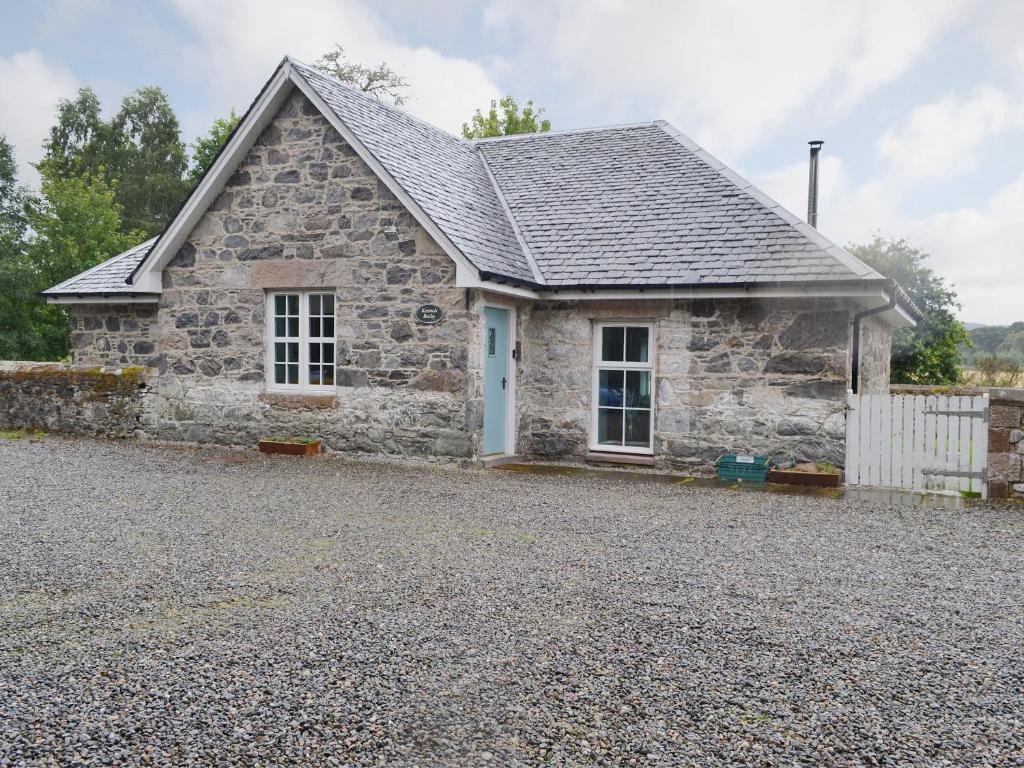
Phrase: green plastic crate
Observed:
(750, 469)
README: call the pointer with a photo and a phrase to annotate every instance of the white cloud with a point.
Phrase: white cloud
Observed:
(729, 72)
(28, 105)
(1000, 30)
(941, 138)
(241, 43)
(981, 251)
(890, 38)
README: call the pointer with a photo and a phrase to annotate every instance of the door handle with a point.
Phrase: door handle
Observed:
(502, 382)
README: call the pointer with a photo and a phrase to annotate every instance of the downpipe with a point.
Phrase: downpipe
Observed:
(855, 362)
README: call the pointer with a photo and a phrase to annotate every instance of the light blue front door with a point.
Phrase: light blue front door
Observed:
(495, 379)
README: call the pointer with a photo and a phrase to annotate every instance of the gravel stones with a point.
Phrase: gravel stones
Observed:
(173, 606)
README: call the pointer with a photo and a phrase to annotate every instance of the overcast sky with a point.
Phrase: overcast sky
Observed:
(920, 102)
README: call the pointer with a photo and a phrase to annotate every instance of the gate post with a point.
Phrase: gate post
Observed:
(1006, 443)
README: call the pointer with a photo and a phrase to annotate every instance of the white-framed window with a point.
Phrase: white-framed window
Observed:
(300, 341)
(623, 401)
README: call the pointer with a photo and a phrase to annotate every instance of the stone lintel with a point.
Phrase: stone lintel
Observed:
(297, 274)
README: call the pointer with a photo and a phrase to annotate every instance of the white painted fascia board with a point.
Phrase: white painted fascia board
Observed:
(147, 278)
(462, 263)
(470, 278)
(895, 318)
(870, 295)
(104, 299)
(716, 293)
(898, 317)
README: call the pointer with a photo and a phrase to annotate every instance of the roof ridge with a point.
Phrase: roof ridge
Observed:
(534, 268)
(840, 254)
(562, 132)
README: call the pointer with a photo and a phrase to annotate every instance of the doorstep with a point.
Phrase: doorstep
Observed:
(497, 459)
(619, 458)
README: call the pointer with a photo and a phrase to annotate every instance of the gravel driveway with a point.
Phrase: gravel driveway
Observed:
(173, 606)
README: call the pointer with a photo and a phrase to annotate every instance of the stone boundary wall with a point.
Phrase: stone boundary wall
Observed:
(1006, 444)
(1005, 433)
(78, 399)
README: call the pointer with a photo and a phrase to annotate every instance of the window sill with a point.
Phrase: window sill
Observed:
(299, 400)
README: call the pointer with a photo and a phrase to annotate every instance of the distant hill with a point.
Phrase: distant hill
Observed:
(1005, 341)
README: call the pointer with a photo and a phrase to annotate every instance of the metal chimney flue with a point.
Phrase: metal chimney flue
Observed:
(812, 184)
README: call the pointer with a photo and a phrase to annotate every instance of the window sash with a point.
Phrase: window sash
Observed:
(316, 321)
(616, 406)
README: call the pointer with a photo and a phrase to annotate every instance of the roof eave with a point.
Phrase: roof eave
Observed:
(101, 298)
(861, 283)
(852, 287)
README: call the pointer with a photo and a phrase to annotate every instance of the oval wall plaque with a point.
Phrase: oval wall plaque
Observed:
(429, 314)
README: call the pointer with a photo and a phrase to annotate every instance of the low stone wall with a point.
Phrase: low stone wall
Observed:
(79, 399)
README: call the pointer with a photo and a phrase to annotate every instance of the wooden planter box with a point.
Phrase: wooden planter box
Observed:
(809, 479)
(311, 448)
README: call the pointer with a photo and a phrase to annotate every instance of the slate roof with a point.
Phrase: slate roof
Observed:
(636, 205)
(105, 278)
(641, 205)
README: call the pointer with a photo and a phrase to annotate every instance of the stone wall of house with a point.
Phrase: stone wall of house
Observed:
(78, 399)
(875, 356)
(731, 376)
(303, 211)
(1006, 443)
(114, 334)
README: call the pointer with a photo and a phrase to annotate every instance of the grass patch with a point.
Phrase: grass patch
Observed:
(176, 618)
(20, 434)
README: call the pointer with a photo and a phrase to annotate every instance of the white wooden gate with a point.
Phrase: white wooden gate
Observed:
(918, 442)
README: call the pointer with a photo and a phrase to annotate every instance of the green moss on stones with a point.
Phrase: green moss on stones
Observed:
(99, 381)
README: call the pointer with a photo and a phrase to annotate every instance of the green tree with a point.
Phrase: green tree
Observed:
(1006, 341)
(75, 224)
(139, 153)
(80, 140)
(927, 353)
(12, 201)
(16, 279)
(1013, 345)
(206, 148)
(148, 177)
(511, 121)
(380, 81)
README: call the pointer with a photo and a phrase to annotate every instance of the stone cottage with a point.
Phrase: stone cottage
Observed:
(347, 271)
